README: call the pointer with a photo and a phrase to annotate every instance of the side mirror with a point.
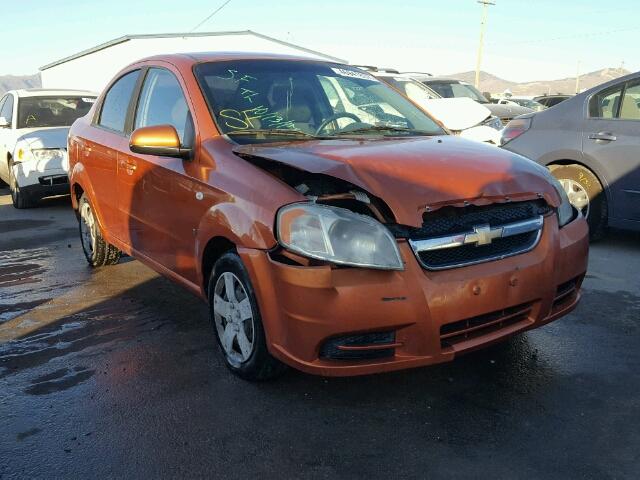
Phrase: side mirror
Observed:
(160, 140)
(4, 123)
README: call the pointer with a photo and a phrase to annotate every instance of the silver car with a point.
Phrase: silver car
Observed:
(591, 143)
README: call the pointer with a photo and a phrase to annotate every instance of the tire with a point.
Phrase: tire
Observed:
(19, 198)
(580, 180)
(237, 322)
(96, 250)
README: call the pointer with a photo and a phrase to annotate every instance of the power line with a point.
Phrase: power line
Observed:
(570, 37)
(207, 19)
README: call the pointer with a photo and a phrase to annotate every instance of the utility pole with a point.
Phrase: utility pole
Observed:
(578, 78)
(483, 24)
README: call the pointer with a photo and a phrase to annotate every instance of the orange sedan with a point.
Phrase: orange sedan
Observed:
(330, 224)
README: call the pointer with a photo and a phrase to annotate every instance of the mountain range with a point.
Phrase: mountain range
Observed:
(493, 84)
(14, 82)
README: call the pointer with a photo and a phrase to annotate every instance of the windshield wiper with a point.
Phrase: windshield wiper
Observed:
(384, 128)
(273, 131)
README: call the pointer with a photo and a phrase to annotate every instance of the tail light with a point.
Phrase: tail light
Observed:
(514, 129)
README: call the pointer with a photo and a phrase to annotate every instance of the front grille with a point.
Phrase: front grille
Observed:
(462, 330)
(456, 221)
(53, 180)
(363, 346)
(450, 220)
(468, 254)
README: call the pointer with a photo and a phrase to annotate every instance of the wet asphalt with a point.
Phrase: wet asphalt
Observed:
(115, 373)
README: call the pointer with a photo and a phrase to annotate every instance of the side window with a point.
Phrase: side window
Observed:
(630, 109)
(7, 108)
(116, 102)
(606, 104)
(162, 102)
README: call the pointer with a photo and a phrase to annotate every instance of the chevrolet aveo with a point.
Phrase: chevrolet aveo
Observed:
(330, 224)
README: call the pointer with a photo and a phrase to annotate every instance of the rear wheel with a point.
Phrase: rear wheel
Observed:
(96, 250)
(19, 198)
(237, 322)
(586, 194)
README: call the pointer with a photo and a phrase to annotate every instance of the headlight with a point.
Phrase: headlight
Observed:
(565, 210)
(46, 154)
(337, 235)
(494, 122)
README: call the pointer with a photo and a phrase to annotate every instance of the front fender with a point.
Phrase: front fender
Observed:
(243, 224)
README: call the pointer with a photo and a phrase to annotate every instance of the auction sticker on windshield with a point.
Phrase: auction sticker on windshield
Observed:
(354, 74)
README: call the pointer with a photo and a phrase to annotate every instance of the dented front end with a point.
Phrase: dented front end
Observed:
(507, 267)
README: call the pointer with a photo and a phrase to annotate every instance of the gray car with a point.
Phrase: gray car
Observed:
(591, 143)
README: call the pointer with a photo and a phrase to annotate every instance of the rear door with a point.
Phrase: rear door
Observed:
(158, 196)
(99, 150)
(611, 138)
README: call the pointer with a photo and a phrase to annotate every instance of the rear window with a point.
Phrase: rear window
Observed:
(36, 112)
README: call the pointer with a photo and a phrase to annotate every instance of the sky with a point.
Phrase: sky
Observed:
(525, 40)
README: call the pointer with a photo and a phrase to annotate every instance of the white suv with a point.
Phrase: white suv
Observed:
(34, 125)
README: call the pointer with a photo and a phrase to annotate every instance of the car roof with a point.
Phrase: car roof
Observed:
(49, 92)
(438, 79)
(203, 57)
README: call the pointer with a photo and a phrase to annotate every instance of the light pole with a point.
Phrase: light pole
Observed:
(483, 23)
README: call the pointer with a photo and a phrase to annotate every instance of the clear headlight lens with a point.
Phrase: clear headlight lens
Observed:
(565, 210)
(46, 154)
(337, 235)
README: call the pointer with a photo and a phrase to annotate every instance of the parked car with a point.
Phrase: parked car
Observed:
(523, 102)
(34, 124)
(591, 143)
(452, 88)
(321, 240)
(551, 100)
(461, 116)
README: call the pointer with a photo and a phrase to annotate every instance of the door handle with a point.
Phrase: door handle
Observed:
(604, 136)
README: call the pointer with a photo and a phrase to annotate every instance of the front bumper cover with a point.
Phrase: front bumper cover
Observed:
(303, 307)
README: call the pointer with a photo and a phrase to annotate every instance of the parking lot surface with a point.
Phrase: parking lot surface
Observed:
(115, 373)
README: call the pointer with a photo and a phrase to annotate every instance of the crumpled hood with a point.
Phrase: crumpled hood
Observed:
(456, 113)
(507, 111)
(53, 137)
(413, 174)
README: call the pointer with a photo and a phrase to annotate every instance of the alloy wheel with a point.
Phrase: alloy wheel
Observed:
(87, 229)
(233, 318)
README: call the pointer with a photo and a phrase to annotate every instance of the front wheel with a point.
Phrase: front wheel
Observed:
(96, 250)
(237, 322)
(19, 198)
(586, 194)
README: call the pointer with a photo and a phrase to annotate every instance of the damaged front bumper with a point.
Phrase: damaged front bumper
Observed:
(350, 321)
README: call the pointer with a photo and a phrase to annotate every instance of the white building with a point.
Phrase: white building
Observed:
(92, 69)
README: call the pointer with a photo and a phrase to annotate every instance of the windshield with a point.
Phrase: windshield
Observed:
(35, 112)
(524, 102)
(273, 98)
(456, 89)
(413, 89)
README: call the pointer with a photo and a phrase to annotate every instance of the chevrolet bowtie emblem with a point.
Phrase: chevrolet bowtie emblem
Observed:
(483, 235)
